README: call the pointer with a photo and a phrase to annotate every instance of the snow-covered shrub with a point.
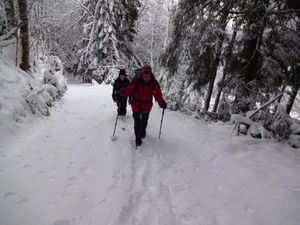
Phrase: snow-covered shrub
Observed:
(294, 139)
(54, 87)
(272, 121)
(281, 129)
(38, 103)
(180, 93)
(54, 75)
(52, 91)
(295, 127)
(55, 63)
(277, 121)
(245, 125)
(224, 110)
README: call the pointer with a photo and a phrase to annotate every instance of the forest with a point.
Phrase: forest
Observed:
(216, 58)
(149, 112)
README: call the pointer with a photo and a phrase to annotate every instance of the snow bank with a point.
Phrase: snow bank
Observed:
(294, 139)
(22, 94)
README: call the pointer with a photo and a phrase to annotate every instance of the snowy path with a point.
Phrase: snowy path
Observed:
(65, 170)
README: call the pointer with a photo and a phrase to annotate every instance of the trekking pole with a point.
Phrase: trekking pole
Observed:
(162, 117)
(116, 124)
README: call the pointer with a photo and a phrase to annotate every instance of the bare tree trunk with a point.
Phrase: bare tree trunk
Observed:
(228, 58)
(170, 7)
(10, 14)
(152, 42)
(24, 34)
(17, 49)
(293, 95)
(251, 64)
(215, 65)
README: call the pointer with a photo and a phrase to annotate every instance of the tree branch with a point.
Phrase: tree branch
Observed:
(267, 12)
(84, 8)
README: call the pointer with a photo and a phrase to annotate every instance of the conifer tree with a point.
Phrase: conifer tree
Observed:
(262, 57)
(10, 14)
(107, 37)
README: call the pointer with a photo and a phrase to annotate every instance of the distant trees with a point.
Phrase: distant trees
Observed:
(153, 27)
(10, 25)
(55, 29)
(10, 14)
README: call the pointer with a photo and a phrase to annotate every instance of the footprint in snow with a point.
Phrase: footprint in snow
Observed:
(21, 201)
(72, 178)
(249, 209)
(179, 171)
(41, 172)
(85, 197)
(61, 222)
(9, 194)
(294, 188)
(70, 185)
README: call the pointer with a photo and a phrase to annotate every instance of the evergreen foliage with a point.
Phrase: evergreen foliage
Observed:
(109, 28)
(3, 20)
(264, 54)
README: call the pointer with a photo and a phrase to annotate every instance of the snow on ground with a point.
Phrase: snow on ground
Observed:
(14, 85)
(66, 170)
(22, 94)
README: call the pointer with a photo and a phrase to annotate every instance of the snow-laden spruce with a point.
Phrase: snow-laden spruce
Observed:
(109, 27)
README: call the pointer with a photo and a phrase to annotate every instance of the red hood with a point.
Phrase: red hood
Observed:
(146, 68)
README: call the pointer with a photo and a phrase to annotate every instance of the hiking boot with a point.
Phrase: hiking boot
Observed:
(138, 142)
(143, 134)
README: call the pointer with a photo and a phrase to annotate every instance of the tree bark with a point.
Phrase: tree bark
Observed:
(24, 34)
(293, 95)
(228, 58)
(251, 64)
(10, 14)
(215, 65)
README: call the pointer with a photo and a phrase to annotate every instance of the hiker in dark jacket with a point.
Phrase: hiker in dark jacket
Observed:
(120, 84)
(142, 89)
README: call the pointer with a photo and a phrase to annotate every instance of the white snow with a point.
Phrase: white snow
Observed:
(22, 94)
(65, 170)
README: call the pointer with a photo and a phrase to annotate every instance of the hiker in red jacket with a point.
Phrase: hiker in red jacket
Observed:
(141, 90)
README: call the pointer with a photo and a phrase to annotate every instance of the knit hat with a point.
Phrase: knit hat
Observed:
(122, 72)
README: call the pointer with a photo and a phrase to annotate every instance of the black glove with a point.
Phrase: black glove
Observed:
(163, 105)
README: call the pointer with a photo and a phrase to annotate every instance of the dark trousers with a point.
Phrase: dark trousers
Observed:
(122, 104)
(140, 124)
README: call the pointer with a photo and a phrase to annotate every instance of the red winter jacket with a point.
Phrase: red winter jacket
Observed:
(142, 93)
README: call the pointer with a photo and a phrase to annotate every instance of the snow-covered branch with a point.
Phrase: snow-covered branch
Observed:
(84, 8)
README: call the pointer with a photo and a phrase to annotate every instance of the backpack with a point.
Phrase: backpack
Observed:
(138, 80)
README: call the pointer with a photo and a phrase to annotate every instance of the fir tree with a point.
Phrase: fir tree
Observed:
(107, 36)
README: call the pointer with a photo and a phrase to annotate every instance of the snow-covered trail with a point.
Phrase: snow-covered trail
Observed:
(65, 170)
